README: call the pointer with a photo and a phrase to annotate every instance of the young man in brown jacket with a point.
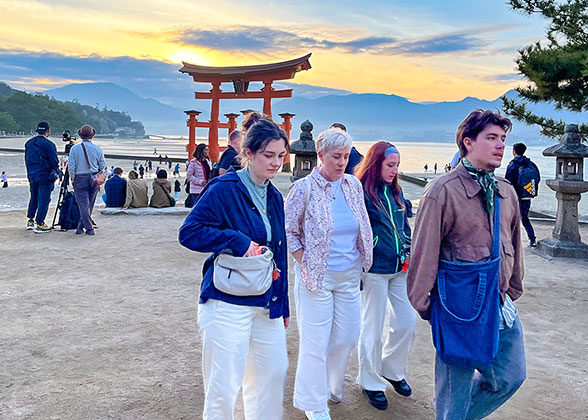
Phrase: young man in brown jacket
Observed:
(454, 224)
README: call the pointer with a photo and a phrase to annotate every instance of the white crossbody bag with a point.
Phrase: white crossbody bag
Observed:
(244, 276)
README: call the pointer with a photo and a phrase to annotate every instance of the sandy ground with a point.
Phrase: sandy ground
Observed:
(105, 327)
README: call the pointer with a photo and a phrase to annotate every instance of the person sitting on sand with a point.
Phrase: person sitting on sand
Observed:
(137, 195)
(161, 191)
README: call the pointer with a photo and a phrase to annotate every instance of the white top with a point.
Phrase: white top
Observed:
(344, 254)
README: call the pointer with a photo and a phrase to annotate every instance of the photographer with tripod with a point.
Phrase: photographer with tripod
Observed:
(69, 215)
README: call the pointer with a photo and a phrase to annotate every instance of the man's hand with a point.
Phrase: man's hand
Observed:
(286, 322)
(251, 252)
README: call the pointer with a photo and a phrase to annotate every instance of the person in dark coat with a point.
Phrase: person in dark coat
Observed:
(42, 171)
(116, 189)
(512, 174)
(236, 328)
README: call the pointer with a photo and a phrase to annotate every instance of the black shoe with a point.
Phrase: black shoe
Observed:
(79, 231)
(376, 398)
(401, 387)
(90, 232)
(533, 244)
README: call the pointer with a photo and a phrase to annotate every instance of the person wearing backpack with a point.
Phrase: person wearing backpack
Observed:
(524, 175)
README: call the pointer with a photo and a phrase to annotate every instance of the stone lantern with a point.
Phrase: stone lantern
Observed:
(305, 157)
(568, 184)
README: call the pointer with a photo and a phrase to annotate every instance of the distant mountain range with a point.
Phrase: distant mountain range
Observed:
(367, 116)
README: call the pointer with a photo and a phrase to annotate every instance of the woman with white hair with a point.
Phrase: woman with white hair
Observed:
(330, 237)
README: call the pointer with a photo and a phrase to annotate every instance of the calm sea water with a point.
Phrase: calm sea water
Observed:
(413, 158)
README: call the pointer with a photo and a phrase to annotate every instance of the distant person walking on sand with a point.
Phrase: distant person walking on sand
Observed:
(177, 189)
(426, 168)
(463, 277)
(85, 161)
(330, 238)
(137, 192)
(177, 169)
(42, 171)
(160, 159)
(141, 171)
(155, 151)
(4, 179)
(383, 360)
(524, 175)
(135, 165)
(354, 156)
(150, 165)
(435, 168)
(244, 328)
(169, 164)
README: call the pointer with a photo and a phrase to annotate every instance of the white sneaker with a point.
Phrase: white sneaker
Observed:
(318, 415)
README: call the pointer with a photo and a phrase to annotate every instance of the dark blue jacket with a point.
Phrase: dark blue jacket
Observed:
(387, 247)
(40, 158)
(512, 171)
(354, 159)
(229, 159)
(116, 191)
(225, 217)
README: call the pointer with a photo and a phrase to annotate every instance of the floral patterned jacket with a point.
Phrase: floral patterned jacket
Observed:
(309, 224)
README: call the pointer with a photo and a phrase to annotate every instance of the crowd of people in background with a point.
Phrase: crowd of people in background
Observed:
(346, 225)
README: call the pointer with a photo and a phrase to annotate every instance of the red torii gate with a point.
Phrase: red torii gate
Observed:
(240, 76)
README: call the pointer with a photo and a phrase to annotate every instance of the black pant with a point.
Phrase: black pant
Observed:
(525, 206)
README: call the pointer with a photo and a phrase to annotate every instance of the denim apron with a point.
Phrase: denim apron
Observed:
(465, 307)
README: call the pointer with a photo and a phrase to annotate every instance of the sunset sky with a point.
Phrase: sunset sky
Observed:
(424, 50)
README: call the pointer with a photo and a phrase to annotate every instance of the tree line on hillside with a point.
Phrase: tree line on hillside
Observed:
(21, 111)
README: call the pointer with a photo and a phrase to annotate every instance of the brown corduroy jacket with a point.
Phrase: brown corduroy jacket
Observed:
(452, 224)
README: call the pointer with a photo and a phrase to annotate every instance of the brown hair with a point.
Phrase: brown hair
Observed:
(475, 123)
(369, 172)
(250, 119)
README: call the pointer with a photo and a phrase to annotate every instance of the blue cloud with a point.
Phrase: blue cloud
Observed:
(265, 39)
(441, 44)
(147, 78)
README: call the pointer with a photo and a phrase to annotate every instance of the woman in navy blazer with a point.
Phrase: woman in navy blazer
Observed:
(243, 337)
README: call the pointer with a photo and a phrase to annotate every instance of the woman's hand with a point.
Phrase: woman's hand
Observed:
(286, 322)
(298, 255)
(251, 252)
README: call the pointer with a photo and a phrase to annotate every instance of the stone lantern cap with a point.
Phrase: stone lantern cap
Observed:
(305, 144)
(569, 146)
(192, 111)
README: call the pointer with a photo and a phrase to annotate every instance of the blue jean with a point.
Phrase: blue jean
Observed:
(462, 394)
(85, 197)
(40, 199)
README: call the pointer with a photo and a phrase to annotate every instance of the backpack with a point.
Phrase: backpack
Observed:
(69, 213)
(528, 181)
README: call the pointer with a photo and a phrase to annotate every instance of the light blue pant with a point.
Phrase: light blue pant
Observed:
(462, 394)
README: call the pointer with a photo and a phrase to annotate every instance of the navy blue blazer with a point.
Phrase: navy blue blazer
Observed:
(225, 217)
(116, 191)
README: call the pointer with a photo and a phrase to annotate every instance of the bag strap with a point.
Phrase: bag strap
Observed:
(167, 195)
(86, 155)
(496, 235)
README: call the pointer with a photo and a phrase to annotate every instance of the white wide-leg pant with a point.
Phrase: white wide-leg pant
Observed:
(241, 346)
(391, 360)
(329, 321)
